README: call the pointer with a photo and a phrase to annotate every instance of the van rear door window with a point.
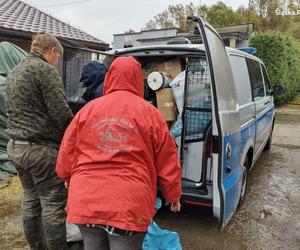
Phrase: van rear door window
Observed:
(257, 84)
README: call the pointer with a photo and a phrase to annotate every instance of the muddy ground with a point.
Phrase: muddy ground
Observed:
(269, 219)
(270, 216)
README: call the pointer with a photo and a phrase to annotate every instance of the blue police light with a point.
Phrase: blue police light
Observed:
(249, 50)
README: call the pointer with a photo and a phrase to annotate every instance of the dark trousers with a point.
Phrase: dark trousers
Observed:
(44, 195)
(95, 238)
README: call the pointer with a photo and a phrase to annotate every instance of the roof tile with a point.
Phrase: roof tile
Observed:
(17, 15)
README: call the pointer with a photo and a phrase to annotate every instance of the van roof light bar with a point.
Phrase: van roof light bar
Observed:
(249, 50)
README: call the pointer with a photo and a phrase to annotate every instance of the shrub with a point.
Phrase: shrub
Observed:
(281, 55)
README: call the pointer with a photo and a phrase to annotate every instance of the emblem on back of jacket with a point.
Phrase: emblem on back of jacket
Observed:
(113, 134)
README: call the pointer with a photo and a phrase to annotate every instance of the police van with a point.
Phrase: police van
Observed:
(225, 115)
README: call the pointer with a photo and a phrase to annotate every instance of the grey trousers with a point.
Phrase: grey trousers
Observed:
(44, 195)
(95, 238)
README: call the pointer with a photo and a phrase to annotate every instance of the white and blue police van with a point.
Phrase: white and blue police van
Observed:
(226, 116)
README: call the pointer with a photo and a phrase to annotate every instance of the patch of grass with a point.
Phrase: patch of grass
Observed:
(13, 190)
(297, 99)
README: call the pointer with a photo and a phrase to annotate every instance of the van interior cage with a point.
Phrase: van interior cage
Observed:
(197, 110)
(74, 58)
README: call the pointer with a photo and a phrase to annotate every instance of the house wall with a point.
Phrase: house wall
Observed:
(237, 43)
(25, 45)
(121, 40)
(241, 44)
(163, 36)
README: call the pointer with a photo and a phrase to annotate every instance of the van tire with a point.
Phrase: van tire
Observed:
(269, 143)
(244, 182)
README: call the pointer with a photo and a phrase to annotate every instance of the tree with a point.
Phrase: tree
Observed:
(262, 13)
(173, 16)
(268, 12)
(248, 15)
(130, 31)
(294, 30)
(220, 14)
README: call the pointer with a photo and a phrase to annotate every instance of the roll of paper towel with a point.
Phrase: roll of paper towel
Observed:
(157, 80)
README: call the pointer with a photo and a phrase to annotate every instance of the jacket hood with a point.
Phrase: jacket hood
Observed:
(124, 74)
(92, 77)
(10, 56)
(93, 72)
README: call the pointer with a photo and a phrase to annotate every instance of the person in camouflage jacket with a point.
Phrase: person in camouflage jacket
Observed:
(38, 114)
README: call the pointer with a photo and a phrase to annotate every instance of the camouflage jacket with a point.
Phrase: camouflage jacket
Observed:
(36, 104)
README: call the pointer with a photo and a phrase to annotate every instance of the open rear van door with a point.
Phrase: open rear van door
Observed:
(227, 170)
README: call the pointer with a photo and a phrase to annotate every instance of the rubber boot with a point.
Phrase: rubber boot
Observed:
(56, 237)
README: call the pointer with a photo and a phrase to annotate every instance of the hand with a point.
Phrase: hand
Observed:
(175, 207)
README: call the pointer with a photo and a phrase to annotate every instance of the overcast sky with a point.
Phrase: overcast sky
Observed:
(102, 19)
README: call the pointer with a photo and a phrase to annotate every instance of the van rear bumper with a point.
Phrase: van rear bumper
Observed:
(195, 196)
(197, 201)
(198, 197)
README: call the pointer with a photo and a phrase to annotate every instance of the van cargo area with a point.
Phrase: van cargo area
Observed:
(177, 82)
(180, 87)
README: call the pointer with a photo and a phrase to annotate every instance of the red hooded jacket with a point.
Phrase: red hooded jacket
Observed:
(114, 152)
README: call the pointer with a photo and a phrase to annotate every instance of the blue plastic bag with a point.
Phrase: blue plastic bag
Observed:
(159, 239)
(176, 128)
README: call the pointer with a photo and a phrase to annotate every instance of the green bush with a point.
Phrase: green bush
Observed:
(281, 55)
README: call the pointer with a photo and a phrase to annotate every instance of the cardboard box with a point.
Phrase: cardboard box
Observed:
(166, 104)
(171, 67)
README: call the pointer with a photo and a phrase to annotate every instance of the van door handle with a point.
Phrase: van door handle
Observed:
(266, 103)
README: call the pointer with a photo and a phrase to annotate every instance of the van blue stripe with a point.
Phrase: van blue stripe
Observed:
(232, 180)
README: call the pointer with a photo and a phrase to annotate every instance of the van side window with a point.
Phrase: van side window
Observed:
(241, 79)
(267, 82)
(256, 79)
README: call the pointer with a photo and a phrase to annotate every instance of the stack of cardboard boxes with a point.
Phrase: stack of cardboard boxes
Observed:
(164, 96)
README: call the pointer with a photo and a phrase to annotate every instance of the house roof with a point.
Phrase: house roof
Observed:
(19, 16)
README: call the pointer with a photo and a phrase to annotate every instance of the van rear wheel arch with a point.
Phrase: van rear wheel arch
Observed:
(249, 156)
(248, 153)
(245, 178)
(246, 169)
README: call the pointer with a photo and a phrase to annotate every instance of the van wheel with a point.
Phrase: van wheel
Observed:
(244, 182)
(269, 143)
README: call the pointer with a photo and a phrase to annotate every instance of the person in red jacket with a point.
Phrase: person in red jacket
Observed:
(113, 155)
